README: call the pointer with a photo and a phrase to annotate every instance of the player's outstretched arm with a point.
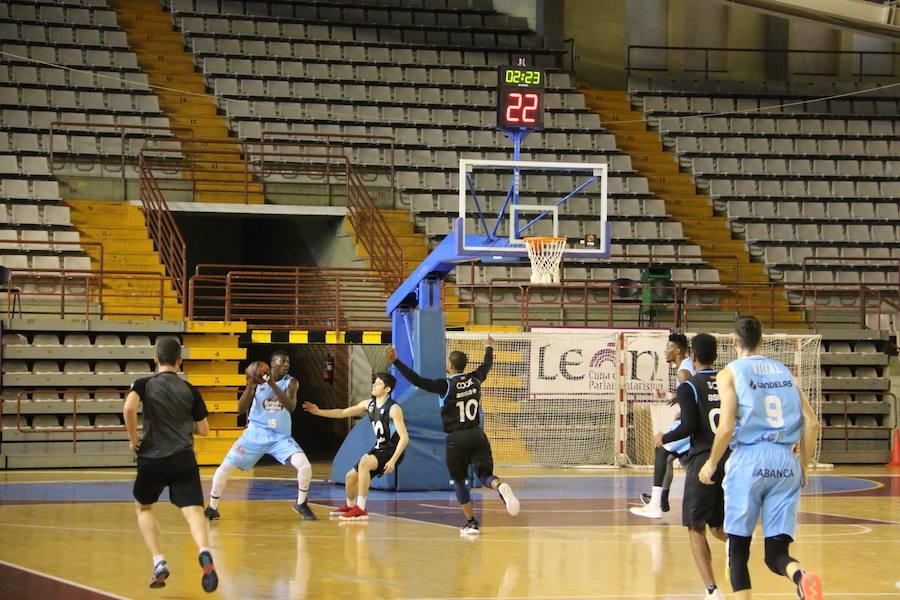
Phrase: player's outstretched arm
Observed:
(482, 371)
(435, 386)
(725, 429)
(810, 434)
(357, 410)
(129, 413)
(400, 426)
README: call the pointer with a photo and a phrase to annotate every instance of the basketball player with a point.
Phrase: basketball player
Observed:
(657, 502)
(391, 440)
(173, 410)
(763, 415)
(703, 504)
(268, 432)
(460, 398)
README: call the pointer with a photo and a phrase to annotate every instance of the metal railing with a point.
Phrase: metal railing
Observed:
(163, 230)
(708, 51)
(291, 297)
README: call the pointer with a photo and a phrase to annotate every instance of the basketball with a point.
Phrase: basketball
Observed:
(257, 371)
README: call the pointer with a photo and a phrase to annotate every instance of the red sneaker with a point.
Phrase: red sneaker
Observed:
(810, 587)
(338, 512)
(355, 514)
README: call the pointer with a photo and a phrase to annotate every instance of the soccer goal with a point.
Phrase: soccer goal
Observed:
(590, 397)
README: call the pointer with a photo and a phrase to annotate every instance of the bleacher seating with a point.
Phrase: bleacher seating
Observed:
(812, 185)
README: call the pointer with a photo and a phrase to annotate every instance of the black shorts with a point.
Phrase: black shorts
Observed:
(469, 447)
(179, 472)
(702, 503)
(382, 455)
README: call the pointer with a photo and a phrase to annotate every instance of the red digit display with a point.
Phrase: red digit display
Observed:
(532, 103)
(520, 96)
(514, 100)
(521, 108)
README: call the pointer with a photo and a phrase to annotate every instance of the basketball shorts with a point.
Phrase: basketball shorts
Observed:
(382, 455)
(178, 472)
(469, 447)
(256, 441)
(702, 503)
(678, 447)
(762, 480)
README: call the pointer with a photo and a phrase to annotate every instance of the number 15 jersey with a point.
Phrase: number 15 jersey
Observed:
(769, 406)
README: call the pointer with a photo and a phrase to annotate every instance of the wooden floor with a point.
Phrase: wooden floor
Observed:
(72, 534)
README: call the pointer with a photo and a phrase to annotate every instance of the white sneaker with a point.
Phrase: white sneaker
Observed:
(509, 499)
(649, 511)
(716, 594)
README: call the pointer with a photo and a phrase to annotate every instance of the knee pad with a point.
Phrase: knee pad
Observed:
(738, 557)
(462, 491)
(777, 557)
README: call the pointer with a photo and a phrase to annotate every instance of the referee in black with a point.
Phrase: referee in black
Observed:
(460, 400)
(703, 505)
(173, 412)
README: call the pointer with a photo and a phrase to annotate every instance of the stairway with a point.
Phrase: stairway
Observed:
(694, 211)
(120, 227)
(218, 164)
(414, 251)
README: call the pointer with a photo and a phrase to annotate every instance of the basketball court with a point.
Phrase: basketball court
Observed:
(73, 535)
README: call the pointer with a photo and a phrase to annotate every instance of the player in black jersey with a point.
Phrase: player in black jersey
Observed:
(460, 397)
(703, 504)
(391, 439)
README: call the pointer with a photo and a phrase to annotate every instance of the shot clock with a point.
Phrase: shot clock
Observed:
(520, 97)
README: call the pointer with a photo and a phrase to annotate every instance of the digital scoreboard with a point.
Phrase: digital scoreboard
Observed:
(520, 97)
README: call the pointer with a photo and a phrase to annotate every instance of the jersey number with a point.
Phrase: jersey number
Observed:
(468, 411)
(714, 419)
(773, 411)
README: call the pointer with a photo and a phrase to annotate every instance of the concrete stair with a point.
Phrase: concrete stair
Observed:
(691, 209)
(126, 247)
(218, 166)
(414, 250)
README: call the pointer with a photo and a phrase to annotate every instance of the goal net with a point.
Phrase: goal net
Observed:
(572, 396)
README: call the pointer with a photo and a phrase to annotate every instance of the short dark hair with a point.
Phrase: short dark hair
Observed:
(168, 351)
(748, 331)
(680, 340)
(458, 360)
(387, 379)
(281, 353)
(703, 345)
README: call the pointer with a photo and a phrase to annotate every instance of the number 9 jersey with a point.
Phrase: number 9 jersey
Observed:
(769, 406)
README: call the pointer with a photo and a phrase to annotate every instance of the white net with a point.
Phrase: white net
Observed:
(647, 415)
(543, 402)
(588, 397)
(545, 254)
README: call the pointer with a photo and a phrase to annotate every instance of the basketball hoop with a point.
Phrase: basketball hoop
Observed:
(545, 254)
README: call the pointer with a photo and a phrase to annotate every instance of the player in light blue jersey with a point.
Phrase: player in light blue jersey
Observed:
(763, 416)
(657, 501)
(270, 405)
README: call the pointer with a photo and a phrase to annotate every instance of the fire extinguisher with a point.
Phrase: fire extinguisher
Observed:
(328, 373)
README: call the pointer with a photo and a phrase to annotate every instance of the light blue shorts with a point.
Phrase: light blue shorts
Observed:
(256, 441)
(762, 479)
(678, 447)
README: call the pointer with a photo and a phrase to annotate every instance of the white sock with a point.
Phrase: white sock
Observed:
(158, 558)
(351, 502)
(220, 478)
(656, 497)
(304, 475)
(361, 502)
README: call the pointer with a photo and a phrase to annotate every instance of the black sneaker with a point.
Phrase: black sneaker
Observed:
(210, 513)
(304, 511)
(160, 574)
(470, 528)
(209, 580)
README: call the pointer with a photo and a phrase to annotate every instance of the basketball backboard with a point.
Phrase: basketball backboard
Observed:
(501, 202)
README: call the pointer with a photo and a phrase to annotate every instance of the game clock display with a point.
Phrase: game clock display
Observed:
(520, 97)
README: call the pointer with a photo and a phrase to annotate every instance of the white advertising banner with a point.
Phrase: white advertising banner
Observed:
(575, 366)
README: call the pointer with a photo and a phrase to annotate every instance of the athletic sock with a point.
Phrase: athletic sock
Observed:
(351, 502)
(711, 589)
(301, 495)
(798, 575)
(361, 502)
(204, 549)
(656, 497)
(214, 502)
